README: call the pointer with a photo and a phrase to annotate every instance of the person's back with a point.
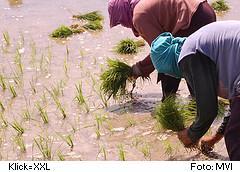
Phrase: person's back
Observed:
(220, 41)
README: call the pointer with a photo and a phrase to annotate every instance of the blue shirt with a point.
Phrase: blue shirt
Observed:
(220, 41)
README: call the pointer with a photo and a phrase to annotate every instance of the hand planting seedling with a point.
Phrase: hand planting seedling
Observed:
(129, 46)
(114, 79)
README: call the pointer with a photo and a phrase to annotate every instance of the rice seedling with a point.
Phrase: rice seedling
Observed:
(103, 151)
(114, 79)
(45, 147)
(76, 28)
(98, 91)
(91, 16)
(126, 46)
(169, 115)
(136, 141)
(18, 61)
(168, 148)
(2, 107)
(131, 121)
(93, 25)
(26, 115)
(18, 127)
(68, 139)
(80, 98)
(2, 82)
(33, 52)
(33, 86)
(145, 149)
(6, 38)
(4, 121)
(13, 91)
(220, 6)
(60, 156)
(65, 67)
(98, 134)
(62, 32)
(20, 143)
(43, 113)
(121, 153)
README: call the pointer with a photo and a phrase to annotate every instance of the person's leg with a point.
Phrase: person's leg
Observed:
(232, 133)
(169, 85)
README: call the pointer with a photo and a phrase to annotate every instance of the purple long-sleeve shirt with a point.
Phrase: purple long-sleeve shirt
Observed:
(220, 41)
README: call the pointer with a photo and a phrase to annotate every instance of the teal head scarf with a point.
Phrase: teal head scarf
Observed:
(165, 50)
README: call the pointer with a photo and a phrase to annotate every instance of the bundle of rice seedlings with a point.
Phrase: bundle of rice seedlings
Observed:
(127, 46)
(169, 115)
(220, 6)
(114, 79)
(76, 28)
(93, 25)
(91, 16)
(62, 32)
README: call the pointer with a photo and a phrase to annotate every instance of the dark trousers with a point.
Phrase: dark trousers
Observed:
(232, 133)
(203, 16)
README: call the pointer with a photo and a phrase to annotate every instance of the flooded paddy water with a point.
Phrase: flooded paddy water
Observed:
(40, 117)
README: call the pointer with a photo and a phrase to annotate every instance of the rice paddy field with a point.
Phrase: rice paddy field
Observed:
(51, 104)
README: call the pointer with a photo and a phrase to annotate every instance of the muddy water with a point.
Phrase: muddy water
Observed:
(46, 64)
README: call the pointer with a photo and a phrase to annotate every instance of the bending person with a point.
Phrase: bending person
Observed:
(149, 18)
(209, 61)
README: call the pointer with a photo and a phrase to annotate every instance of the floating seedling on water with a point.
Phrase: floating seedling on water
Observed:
(18, 127)
(114, 79)
(80, 98)
(62, 32)
(20, 143)
(91, 16)
(45, 147)
(76, 28)
(93, 25)
(220, 6)
(127, 46)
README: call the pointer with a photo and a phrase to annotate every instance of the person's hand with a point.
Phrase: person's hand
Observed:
(136, 72)
(185, 139)
(207, 142)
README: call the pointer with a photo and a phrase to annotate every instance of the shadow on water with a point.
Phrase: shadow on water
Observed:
(143, 103)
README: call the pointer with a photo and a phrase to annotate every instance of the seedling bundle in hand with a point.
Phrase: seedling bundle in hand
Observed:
(174, 115)
(114, 79)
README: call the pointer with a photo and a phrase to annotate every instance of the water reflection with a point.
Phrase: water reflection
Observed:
(13, 3)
